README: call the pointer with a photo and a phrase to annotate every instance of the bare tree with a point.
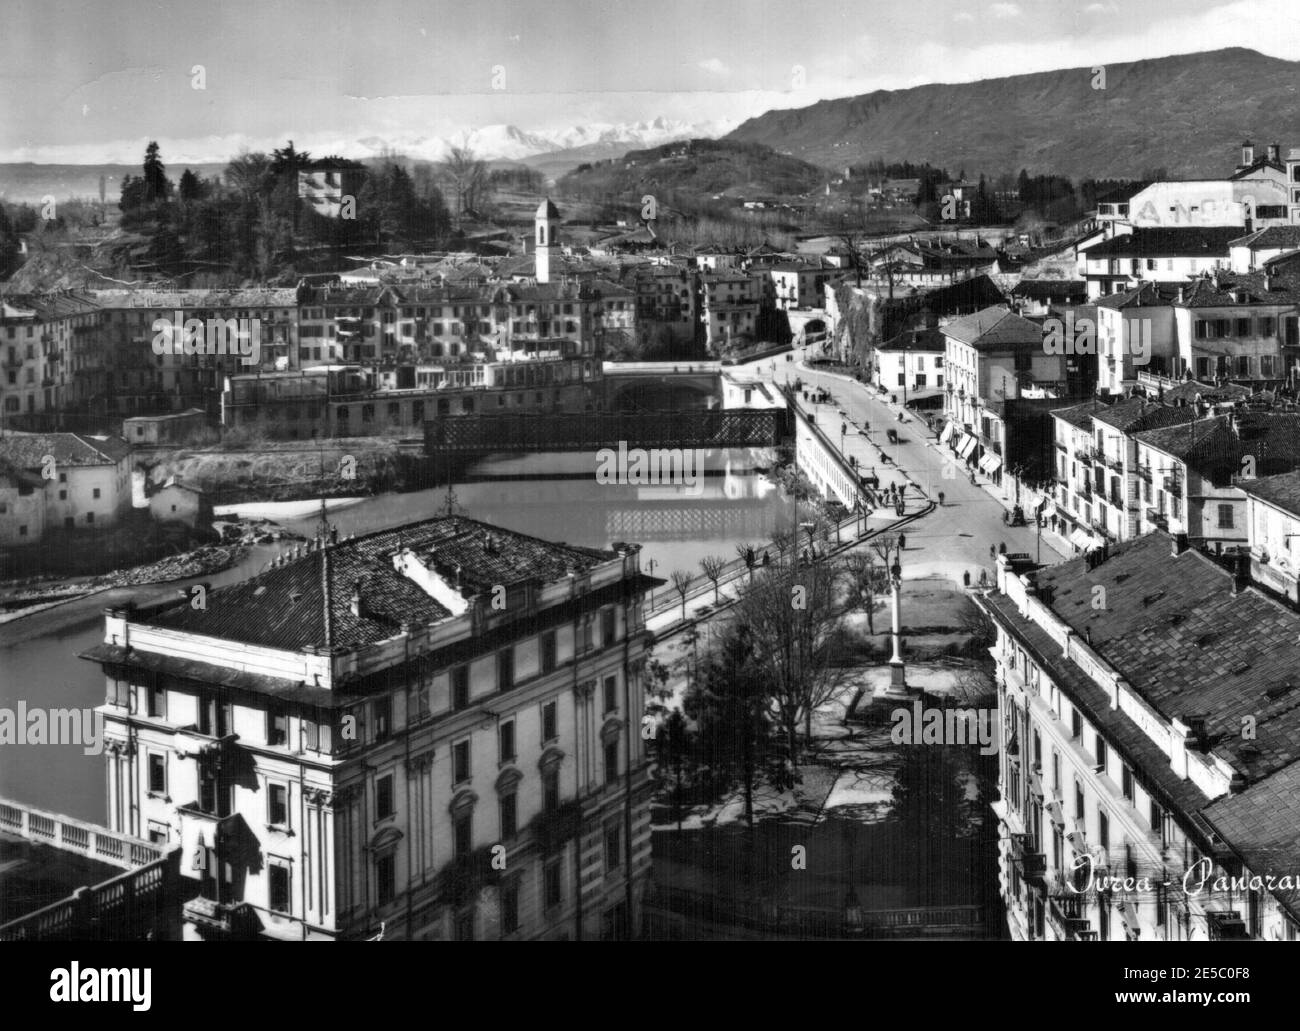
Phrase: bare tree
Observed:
(468, 178)
(713, 566)
(746, 553)
(681, 581)
(796, 626)
(884, 546)
(862, 572)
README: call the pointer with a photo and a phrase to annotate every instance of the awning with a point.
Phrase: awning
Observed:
(1055, 812)
(966, 446)
(948, 427)
(1081, 539)
(1035, 785)
(990, 463)
(1077, 843)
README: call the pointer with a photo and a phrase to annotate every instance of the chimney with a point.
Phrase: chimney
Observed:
(1273, 151)
(1247, 153)
(1182, 293)
(1241, 575)
(1180, 544)
(357, 605)
(1196, 729)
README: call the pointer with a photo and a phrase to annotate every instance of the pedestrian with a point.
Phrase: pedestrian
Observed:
(766, 557)
(941, 499)
(965, 577)
(993, 553)
(902, 542)
(1002, 548)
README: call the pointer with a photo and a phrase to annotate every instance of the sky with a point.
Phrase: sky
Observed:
(89, 81)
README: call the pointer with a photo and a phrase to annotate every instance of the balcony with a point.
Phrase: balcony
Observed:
(232, 921)
(1114, 463)
(1158, 519)
(1144, 471)
(1172, 484)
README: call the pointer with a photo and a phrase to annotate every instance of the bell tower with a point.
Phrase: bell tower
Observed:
(546, 223)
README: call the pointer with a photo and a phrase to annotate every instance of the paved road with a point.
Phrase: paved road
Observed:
(970, 520)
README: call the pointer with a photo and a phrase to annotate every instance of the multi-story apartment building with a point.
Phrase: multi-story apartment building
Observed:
(729, 305)
(798, 284)
(911, 361)
(1135, 330)
(1145, 754)
(990, 357)
(51, 353)
(434, 730)
(1192, 475)
(1154, 255)
(1100, 486)
(85, 480)
(1273, 527)
(1241, 328)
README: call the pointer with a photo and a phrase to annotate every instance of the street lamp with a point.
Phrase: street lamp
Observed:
(853, 923)
(651, 565)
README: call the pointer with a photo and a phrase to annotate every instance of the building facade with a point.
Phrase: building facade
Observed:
(434, 731)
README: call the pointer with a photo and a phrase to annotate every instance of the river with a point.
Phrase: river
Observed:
(552, 496)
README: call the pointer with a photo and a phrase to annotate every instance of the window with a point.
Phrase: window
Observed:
(1101, 754)
(506, 669)
(611, 762)
(90, 517)
(507, 741)
(158, 773)
(553, 883)
(1157, 820)
(508, 809)
(550, 722)
(386, 878)
(1225, 517)
(551, 789)
(611, 694)
(613, 846)
(607, 627)
(384, 797)
(460, 688)
(1103, 829)
(278, 872)
(1078, 799)
(277, 805)
(1126, 782)
(463, 831)
(510, 905)
(548, 651)
(460, 762)
(277, 727)
(1076, 724)
(158, 702)
(1056, 771)
(95, 493)
(383, 717)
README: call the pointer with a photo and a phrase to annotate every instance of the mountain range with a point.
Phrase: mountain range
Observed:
(1187, 114)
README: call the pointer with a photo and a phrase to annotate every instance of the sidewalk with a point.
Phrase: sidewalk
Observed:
(1056, 541)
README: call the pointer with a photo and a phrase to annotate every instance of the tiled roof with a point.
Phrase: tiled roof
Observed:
(1134, 414)
(1226, 290)
(308, 601)
(1117, 726)
(1175, 631)
(28, 450)
(1050, 289)
(915, 340)
(995, 328)
(1208, 392)
(1272, 439)
(1286, 237)
(1191, 242)
(1079, 415)
(1262, 825)
(1146, 295)
(1282, 490)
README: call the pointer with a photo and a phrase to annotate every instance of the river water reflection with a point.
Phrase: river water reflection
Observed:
(552, 496)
